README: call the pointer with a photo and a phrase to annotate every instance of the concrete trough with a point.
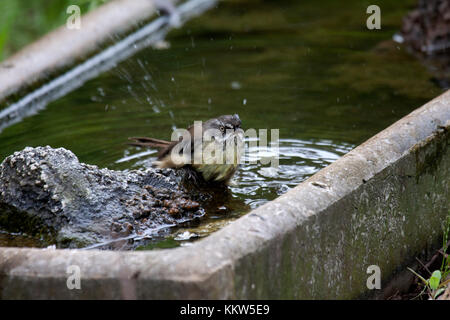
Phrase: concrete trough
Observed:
(381, 204)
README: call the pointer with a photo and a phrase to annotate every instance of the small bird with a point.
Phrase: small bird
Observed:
(213, 150)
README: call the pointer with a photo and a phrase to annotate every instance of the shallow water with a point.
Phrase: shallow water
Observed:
(310, 69)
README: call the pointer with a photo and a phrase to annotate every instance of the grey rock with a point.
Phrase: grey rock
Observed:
(49, 193)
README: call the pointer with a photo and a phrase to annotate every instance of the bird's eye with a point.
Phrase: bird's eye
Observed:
(222, 128)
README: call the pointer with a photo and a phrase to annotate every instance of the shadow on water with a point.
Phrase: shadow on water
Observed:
(310, 69)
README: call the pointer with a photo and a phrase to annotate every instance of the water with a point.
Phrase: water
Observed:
(310, 69)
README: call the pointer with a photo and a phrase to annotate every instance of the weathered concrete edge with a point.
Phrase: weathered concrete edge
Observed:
(315, 241)
(63, 47)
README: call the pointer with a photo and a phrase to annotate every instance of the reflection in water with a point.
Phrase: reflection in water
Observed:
(12, 239)
(297, 160)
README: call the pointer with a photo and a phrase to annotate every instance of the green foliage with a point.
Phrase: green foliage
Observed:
(433, 286)
(434, 280)
(438, 280)
(23, 21)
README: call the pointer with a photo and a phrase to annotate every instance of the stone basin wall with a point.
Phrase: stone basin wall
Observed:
(381, 204)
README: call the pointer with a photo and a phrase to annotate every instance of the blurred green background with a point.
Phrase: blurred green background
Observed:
(23, 21)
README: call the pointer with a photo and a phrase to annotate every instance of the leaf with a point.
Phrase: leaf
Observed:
(438, 292)
(435, 279)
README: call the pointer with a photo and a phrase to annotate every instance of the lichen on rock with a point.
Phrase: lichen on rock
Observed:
(49, 193)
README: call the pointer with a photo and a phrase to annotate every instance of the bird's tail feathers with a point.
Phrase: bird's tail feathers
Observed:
(148, 142)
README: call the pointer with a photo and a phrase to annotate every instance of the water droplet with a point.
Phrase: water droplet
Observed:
(398, 38)
(101, 91)
(185, 236)
(235, 85)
